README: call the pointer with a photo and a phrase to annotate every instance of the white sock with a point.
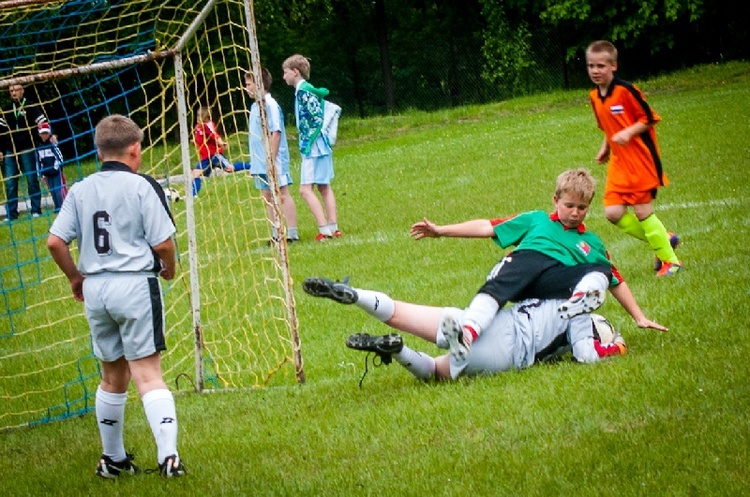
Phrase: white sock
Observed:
(419, 364)
(274, 232)
(110, 416)
(162, 416)
(334, 227)
(592, 281)
(325, 230)
(376, 304)
(481, 312)
(292, 233)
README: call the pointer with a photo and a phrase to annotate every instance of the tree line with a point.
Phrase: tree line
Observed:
(385, 56)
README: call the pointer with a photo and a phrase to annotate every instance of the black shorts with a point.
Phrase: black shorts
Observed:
(527, 274)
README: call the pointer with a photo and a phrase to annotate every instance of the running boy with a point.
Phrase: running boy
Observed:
(634, 173)
(554, 257)
(210, 147)
(280, 152)
(49, 161)
(317, 156)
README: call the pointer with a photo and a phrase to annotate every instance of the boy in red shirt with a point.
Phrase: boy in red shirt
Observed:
(634, 173)
(210, 147)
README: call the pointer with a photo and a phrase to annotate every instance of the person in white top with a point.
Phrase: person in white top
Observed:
(123, 229)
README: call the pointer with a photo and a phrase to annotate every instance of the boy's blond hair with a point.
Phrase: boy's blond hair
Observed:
(203, 114)
(298, 62)
(603, 46)
(578, 182)
(114, 134)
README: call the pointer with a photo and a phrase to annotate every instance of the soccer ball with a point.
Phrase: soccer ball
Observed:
(172, 195)
(603, 328)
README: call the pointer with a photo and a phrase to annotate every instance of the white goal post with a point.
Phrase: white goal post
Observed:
(231, 320)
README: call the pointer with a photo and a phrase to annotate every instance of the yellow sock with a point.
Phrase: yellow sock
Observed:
(658, 238)
(630, 224)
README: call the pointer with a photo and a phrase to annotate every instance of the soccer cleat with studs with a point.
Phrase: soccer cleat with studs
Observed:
(454, 334)
(669, 269)
(338, 291)
(107, 468)
(580, 303)
(382, 345)
(172, 467)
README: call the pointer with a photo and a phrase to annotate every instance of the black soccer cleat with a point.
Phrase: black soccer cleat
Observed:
(172, 467)
(338, 291)
(107, 468)
(382, 345)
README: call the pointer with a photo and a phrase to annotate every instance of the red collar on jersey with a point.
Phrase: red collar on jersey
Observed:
(555, 217)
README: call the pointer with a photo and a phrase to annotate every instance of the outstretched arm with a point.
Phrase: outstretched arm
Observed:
(627, 300)
(477, 228)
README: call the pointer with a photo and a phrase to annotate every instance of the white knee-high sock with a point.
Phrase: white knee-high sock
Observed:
(481, 312)
(419, 364)
(162, 416)
(110, 416)
(376, 304)
(592, 281)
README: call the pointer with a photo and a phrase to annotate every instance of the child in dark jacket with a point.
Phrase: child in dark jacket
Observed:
(49, 161)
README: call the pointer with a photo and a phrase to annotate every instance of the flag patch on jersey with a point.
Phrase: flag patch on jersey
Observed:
(616, 109)
(584, 247)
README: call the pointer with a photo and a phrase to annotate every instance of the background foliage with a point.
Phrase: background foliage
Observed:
(383, 56)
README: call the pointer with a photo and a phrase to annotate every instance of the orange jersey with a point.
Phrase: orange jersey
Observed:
(635, 167)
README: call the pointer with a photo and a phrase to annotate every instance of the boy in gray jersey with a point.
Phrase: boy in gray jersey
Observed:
(123, 229)
(527, 332)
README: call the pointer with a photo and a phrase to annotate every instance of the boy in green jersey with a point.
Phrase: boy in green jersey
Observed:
(554, 257)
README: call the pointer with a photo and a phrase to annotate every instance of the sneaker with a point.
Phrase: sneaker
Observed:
(172, 466)
(674, 241)
(320, 237)
(669, 269)
(383, 345)
(454, 334)
(581, 302)
(110, 469)
(274, 241)
(338, 291)
(337, 234)
(35, 215)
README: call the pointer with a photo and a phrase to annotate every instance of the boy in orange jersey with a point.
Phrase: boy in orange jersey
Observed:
(634, 173)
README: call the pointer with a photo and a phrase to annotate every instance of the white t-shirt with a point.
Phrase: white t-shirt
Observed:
(116, 216)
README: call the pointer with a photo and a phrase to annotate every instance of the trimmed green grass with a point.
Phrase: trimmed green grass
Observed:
(670, 418)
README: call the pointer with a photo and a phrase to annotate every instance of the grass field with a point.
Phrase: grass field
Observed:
(670, 418)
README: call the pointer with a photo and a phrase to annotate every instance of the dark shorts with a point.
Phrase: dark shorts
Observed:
(527, 274)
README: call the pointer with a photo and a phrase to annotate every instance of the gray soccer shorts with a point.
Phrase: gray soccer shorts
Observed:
(491, 352)
(125, 314)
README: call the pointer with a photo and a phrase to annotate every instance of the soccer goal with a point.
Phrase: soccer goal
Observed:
(231, 321)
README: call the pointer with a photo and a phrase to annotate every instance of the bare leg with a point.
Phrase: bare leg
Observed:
(268, 197)
(288, 207)
(419, 320)
(316, 208)
(115, 376)
(329, 201)
(443, 367)
(147, 374)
